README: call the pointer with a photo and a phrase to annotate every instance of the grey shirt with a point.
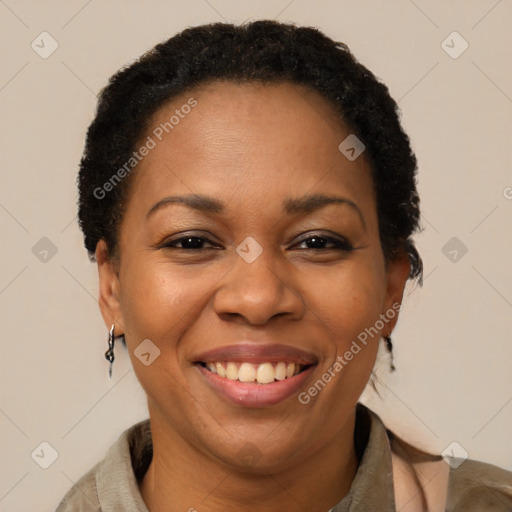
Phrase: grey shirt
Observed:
(111, 485)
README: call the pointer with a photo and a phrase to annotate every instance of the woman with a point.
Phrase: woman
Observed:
(249, 197)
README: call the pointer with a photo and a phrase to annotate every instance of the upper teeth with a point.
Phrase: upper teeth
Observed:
(262, 373)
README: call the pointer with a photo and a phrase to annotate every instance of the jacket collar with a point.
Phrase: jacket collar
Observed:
(371, 489)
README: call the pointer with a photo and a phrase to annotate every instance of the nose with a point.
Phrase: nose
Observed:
(254, 293)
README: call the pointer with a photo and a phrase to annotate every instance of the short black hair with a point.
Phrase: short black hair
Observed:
(260, 51)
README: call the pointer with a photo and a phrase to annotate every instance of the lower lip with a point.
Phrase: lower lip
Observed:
(253, 394)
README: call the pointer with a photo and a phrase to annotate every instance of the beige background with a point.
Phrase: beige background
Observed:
(453, 344)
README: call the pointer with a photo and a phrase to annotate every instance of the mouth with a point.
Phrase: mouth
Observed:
(262, 373)
(255, 374)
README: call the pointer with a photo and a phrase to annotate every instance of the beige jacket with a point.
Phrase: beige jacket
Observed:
(388, 478)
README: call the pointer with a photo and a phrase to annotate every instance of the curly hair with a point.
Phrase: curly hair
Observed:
(261, 51)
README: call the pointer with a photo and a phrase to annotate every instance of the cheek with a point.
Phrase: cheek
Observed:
(156, 302)
(349, 303)
(163, 303)
(349, 299)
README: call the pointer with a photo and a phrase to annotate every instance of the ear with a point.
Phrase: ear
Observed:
(398, 270)
(109, 287)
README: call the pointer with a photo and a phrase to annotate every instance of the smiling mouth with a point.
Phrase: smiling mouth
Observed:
(261, 373)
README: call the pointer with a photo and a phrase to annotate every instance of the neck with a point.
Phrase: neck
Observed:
(180, 477)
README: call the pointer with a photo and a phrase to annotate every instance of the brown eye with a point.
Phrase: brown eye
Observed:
(319, 242)
(188, 243)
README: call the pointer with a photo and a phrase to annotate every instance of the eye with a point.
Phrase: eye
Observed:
(319, 242)
(187, 243)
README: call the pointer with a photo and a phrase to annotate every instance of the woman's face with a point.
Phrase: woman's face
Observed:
(253, 268)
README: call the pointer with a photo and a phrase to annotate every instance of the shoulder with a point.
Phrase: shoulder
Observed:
(113, 480)
(82, 497)
(474, 486)
(452, 485)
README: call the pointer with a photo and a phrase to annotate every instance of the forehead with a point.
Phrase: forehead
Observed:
(249, 141)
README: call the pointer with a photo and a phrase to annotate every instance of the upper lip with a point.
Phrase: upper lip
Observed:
(257, 353)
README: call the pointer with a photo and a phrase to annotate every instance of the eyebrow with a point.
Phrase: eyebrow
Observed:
(292, 206)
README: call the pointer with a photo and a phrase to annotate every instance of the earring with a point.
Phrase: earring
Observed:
(389, 346)
(109, 354)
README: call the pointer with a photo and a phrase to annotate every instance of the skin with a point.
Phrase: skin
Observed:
(249, 146)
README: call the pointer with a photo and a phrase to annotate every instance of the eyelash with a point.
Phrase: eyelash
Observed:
(342, 245)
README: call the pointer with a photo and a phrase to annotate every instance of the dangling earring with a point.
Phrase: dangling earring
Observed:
(389, 346)
(109, 354)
